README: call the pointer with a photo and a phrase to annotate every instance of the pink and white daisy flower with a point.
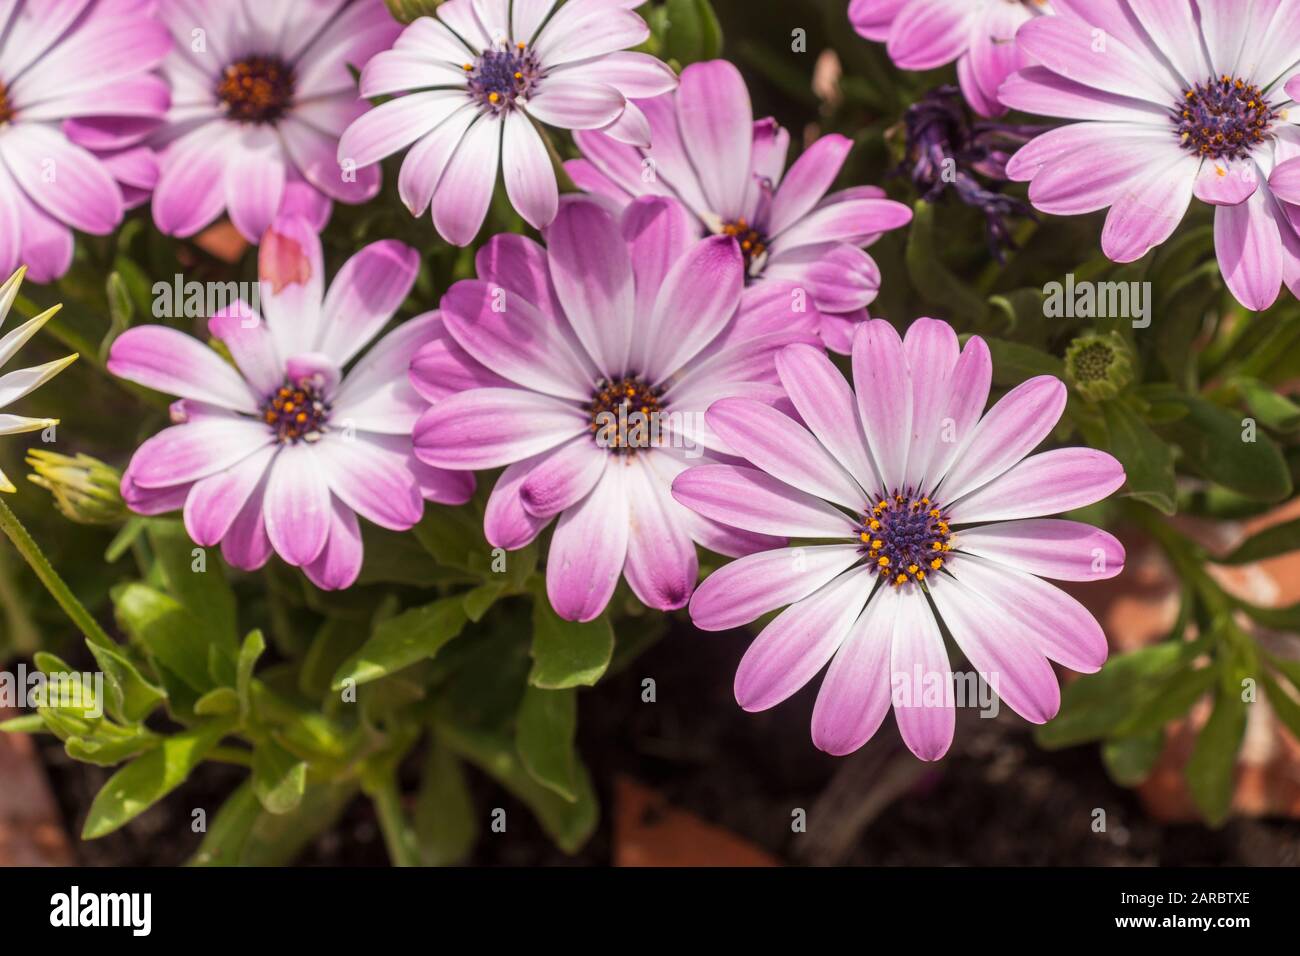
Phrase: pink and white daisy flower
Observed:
(1178, 98)
(77, 97)
(978, 34)
(926, 509)
(727, 169)
(478, 79)
(283, 450)
(598, 357)
(261, 90)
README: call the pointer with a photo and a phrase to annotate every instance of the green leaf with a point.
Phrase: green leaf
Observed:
(205, 594)
(132, 696)
(1283, 704)
(217, 703)
(253, 647)
(692, 32)
(26, 724)
(1269, 543)
(567, 653)
(1273, 410)
(147, 779)
(245, 834)
(166, 630)
(279, 778)
(1013, 362)
(1096, 705)
(401, 641)
(1211, 769)
(1148, 460)
(1213, 442)
(445, 825)
(1129, 760)
(109, 753)
(454, 536)
(569, 823)
(479, 600)
(547, 725)
(932, 278)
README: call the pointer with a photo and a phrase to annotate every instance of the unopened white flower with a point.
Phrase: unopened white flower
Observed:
(14, 385)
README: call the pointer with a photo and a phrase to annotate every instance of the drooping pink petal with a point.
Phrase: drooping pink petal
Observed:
(526, 167)
(1249, 249)
(214, 502)
(856, 692)
(1061, 628)
(929, 33)
(588, 549)
(807, 181)
(339, 562)
(564, 478)
(465, 189)
(1015, 669)
(1149, 209)
(506, 523)
(661, 566)
(918, 657)
(795, 646)
(368, 473)
(297, 508)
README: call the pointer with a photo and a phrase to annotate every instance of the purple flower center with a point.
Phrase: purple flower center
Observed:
(1221, 118)
(905, 538)
(623, 414)
(256, 89)
(296, 412)
(753, 244)
(499, 77)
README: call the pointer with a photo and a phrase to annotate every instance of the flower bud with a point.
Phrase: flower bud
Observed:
(1099, 366)
(85, 489)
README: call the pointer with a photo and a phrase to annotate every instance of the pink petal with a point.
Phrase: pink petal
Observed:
(214, 502)
(1010, 431)
(1044, 484)
(716, 120)
(750, 499)
(564, 477)
(339, 563)
(855, 694)
(166, 360)
(491, 427)
(884, 391)
(526, 166)
(790, 651)
(917, 656)
(1048, 547)
(750, 587)
(297, 507)
(588, 549)
(661, 566)
(1249, 250)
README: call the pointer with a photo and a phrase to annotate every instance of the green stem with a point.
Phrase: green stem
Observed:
(58, 589)
(399, 836)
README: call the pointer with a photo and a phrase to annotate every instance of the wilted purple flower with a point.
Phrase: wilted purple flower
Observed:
(946, 148)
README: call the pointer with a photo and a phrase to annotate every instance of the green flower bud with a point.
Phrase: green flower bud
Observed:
(1099, 366)
(404, 11)
(85, 489)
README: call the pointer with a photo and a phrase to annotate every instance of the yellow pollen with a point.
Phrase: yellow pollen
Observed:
(874, 525)
(494, 97)
(936, 564)
(877, 545)
(884, 561)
